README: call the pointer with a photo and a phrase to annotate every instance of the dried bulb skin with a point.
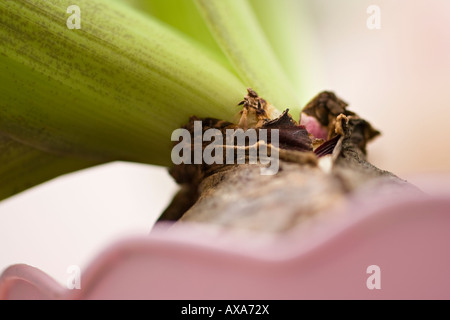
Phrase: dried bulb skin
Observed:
(326, 107)
(255, 111)
(312, 179)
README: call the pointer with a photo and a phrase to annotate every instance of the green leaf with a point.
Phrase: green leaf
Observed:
(113, 90)
(183, 16)
(238, 32)
(288, 27)
(23, 167)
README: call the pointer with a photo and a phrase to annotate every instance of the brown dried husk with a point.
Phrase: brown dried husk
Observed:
(306, 188)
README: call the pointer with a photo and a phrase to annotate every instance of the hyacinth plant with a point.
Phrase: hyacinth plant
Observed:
(115, 86)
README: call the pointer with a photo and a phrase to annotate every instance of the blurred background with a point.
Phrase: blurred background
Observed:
(397, 77)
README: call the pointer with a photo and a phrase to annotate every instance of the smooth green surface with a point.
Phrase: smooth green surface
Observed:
(288, 26)
(184, 17)
(113, 90)
(237, 30)
(23, 167)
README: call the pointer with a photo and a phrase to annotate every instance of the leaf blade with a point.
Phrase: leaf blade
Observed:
(289, 28)
(237, 30)
(23, 167)
(184, 17)
(113, 90)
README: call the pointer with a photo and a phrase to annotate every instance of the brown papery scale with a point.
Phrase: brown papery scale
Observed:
(315, 175)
